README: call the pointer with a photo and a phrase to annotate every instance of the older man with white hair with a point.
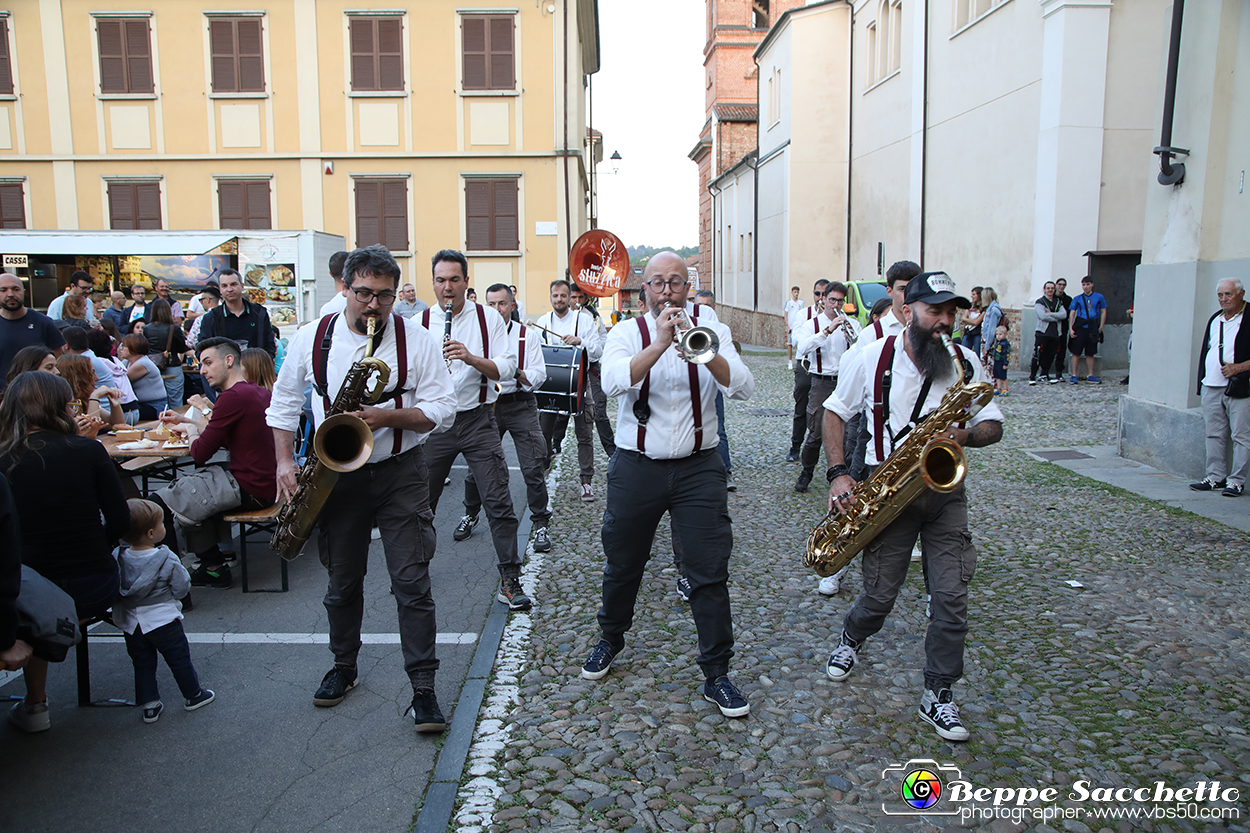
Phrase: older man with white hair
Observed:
(1224, 385)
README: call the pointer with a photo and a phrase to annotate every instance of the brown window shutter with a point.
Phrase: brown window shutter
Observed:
(121, 205)
(368, 212)
(112, 57)
(364, 78)
(12, 209)
(251, 56)
(505, 207)
(221, 42)
(474, 51)
(147, 205)
(230, 197)
(138, 57)
(258, 214)
(395, 215)
(6, 67)
(501, 60)
(477, 209)
(390, 54)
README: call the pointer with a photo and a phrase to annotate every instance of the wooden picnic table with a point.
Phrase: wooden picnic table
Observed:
(156, 463)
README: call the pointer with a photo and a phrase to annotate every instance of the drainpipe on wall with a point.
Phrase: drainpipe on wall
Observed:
(568, 211)
(720, 293)
(1170, 174)
(924, 133)
(754, 163)
(850, 133)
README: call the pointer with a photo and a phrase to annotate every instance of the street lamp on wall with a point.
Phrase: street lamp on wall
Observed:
(616, 161)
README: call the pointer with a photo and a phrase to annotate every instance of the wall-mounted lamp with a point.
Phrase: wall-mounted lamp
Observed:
(616, 161)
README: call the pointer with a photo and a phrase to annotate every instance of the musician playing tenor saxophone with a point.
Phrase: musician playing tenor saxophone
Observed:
(896, 382)
(391, 490)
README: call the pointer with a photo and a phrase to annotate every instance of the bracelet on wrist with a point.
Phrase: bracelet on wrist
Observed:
(834, 472)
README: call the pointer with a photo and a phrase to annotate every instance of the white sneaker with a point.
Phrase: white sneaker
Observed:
(30, 718)
(790, 365)
(928, 604)
(916, 552)
(588, 493)
(829, 586)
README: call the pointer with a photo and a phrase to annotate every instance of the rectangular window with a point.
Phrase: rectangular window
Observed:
(748, 253)
(244, 204)
(491, 215)
(125, 56)
(12, 206)
(382, 213)
(134, 205)
(871, 75)
(6, 66)
(237, 59)
(774, 96)
(896, 35)
(969, 11)
(729, 248)
(377, 54)
(487, 47)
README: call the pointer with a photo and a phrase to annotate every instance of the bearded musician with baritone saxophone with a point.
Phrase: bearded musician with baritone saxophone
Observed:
(923, 400)
(382, 477)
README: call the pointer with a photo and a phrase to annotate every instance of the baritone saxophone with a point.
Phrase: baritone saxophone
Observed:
(342, 443)
(923, 461)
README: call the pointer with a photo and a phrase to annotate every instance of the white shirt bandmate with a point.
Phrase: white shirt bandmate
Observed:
(574, 323)
(466, 328)
(856, 391)
(337, 303)
(670, 427)
(428, 385)
(824, 352)
(533, 368)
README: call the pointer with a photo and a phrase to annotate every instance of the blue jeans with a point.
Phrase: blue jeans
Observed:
(723, 448)
(174, 383)
(171, 641)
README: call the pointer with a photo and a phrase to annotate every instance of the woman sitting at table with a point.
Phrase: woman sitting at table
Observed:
(103, 348)
(166, 339)
(81, 375)
(258, 368)
(144, 376)
(73, 314)
(69, 498)
(34, 357)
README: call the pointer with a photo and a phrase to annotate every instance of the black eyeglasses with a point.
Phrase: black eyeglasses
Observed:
(365, 296)
(818, 293)
(676, 284)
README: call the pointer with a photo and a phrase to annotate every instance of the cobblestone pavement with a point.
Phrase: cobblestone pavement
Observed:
(1138, 676)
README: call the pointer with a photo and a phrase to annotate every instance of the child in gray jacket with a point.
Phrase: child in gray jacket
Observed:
(152, 579)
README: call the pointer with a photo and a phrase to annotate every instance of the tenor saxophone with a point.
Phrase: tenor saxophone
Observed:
(342, 443)
(923, 461)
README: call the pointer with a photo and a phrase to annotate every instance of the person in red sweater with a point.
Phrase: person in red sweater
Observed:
(234, 426)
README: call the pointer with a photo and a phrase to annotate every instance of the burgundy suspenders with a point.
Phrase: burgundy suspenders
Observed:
(642, 411)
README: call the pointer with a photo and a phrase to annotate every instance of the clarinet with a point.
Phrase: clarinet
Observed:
(447, 331)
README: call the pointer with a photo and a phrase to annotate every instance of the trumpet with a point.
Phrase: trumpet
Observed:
(697, 345)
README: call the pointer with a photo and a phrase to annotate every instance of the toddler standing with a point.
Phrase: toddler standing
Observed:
(1000, 352)
(152, 579)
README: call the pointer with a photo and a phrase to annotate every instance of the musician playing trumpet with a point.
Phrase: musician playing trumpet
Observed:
(391, 489)
(896, 382)
(666, 460)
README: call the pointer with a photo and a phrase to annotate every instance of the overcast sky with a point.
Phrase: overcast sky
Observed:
(648, 104)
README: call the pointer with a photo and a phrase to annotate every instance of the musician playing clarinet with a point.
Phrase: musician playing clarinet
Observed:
(666, 460)
(390, 490)
(896, 382)
(576, 328)
(479, 354)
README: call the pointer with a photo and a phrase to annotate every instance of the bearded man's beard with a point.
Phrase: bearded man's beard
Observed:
(929, 354)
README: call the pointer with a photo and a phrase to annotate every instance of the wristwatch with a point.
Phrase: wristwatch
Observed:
(834, 472)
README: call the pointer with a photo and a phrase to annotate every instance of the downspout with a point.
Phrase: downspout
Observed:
(924, 134)
(568, 211)
(715, 192)
(1170, 174)
(594, 168)
(850, 131)
(755, 220)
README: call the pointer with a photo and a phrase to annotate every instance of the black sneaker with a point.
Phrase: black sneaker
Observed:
(200, 700)
(152, 711)
(842, 659)
(334, 686)
(599, 661)
(938, 709)
(542, 540)
(217, 577)
(726, 696)
(425, 711)
(1206, 485)
(805, 480)
(683, 588)
(730, 485)
(1233, 490)
(793, 456)
(465, 528)
(511, 594)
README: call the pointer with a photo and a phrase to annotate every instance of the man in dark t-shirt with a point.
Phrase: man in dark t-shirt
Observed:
(239, 410)
(21, 327)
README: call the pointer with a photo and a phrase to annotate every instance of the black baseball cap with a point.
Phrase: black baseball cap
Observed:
(934, 288)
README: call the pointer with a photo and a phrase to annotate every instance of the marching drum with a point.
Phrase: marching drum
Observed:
(562, 392)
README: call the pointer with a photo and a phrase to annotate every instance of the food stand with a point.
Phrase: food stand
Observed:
(286, 271)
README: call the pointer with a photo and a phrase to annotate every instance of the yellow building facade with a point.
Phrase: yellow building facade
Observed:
(422, 125)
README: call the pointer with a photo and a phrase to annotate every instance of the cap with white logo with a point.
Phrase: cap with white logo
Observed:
(934, 288)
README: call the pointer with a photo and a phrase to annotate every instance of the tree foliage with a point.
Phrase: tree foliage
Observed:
(639, 255)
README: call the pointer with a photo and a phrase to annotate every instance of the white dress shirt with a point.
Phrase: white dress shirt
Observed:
(533, 367)
(1212, 377)
(670, 427)
(466, 329)
(196, 306)
(857, 389)
(824, 352)
(574, 323)
(427, 386)
(338, 303)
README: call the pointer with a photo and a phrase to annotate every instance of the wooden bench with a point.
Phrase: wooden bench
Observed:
(250, 523)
